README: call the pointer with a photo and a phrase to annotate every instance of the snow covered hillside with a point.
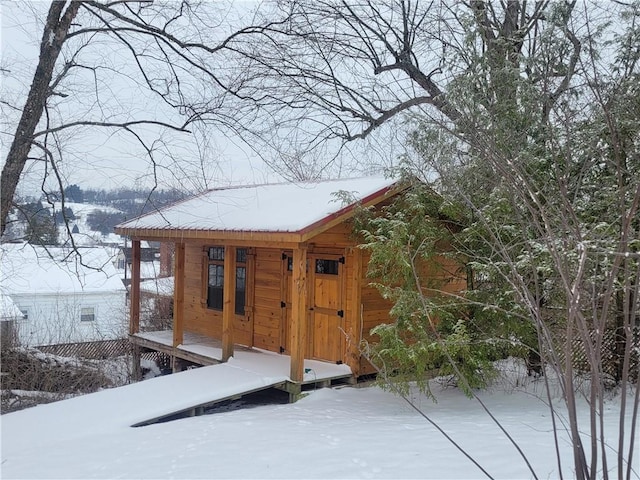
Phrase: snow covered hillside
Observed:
(85, 236)
(331, 433)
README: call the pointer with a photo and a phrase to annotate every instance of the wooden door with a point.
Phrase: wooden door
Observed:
(326, 328)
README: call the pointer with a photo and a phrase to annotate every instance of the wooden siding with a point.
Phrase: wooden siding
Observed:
(444, 275)
(267, 321)
(338, 236)
(353, 308)
(375, 311)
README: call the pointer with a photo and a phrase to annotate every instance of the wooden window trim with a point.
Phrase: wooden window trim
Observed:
(248, 265)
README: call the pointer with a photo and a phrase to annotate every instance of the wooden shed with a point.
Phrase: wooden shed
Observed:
(273, 267)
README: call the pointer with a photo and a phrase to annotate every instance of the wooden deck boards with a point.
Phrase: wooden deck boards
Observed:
(204, 350)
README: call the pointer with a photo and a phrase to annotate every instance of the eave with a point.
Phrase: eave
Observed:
(235, 237)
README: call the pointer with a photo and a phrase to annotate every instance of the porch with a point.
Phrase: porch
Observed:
(203, 350)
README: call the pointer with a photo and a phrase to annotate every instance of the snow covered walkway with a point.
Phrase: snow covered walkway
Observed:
(141, 402)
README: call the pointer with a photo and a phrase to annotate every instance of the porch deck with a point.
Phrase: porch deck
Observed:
(204, 350)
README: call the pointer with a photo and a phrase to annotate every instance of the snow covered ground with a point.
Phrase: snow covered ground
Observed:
(332, 433)
(86, 236)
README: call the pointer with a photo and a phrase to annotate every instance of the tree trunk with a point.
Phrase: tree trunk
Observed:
(55, 32)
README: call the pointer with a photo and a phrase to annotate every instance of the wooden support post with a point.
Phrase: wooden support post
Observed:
(178, 296)
(176, 364)
(136, 370)
(299, 310)
(228, 302)
(295, 392)
(134, 295)
(353, 324)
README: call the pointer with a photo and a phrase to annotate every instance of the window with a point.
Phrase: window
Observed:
(216, 253)
(215, 293)
(87, 314)
(241, 289)
(241, 280)
(327, 267)
(216, 278)
(216, 286)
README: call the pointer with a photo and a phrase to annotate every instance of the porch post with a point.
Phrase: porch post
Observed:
(299, 310)
(178, 296)
(134, 295)
(228, 301)
(354, 309)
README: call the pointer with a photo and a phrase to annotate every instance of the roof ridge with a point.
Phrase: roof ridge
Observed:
(298, 182)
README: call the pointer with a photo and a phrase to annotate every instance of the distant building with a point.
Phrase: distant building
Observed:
(10, 315)
(150, 265)
(63, 296)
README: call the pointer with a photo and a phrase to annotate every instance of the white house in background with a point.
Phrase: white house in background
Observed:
(150, 262)
(9, 311)
(10, 315)
(63, 297)
(156, 303)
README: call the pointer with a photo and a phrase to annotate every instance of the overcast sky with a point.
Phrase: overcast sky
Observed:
(105, 158)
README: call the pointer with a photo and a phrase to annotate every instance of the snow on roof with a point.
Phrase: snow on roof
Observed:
(33, 269)
(286, 207)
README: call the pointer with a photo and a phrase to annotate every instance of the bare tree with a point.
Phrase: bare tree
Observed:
(510, 81)
(95, 59)
(525, 93)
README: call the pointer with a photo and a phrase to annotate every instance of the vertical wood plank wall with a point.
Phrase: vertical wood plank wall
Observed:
(444, 275)
(268, 315)
(198, 318)
(353, 308)
(374, 311)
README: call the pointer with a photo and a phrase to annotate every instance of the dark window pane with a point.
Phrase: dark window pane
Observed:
(216, 287)
(241, 275)
(216, 253)
(241, 255)
(327, 267)
(87, 314)
(215, 298)
(216, 276)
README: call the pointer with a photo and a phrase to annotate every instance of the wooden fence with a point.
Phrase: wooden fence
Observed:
(610, 361)
(95, 350)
